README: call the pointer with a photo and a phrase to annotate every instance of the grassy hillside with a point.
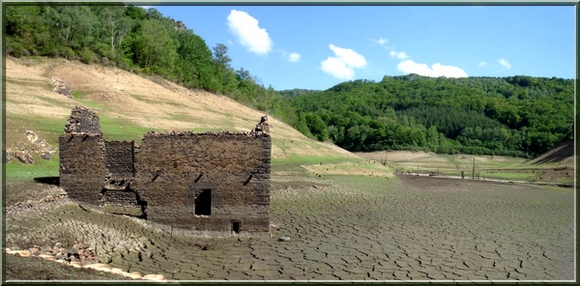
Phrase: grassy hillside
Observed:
(129, 105)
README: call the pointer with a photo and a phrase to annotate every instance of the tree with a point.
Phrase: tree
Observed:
(317, 127)
(221, 55)
(115, 27)
(154, 49)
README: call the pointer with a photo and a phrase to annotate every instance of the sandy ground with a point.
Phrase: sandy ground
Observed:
(346, 227)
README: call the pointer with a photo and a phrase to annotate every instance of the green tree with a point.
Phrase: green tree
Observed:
(154, 49)
(317, 127)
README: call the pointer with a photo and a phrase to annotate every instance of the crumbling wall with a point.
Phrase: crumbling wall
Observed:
(170, 167)
(82, 166)
(200, 181)
(83, 120)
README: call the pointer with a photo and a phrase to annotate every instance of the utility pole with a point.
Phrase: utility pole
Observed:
(473, 172)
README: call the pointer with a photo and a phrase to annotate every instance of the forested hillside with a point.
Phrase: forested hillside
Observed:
(517, 116)
(137, 40)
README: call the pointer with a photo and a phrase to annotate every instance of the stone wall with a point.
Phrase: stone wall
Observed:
(125, 197)
(170, 167)
(83, 120)
(197, 181)
(120, 157)
(82, 166)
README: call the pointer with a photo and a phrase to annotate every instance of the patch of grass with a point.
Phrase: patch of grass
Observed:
(363, 183)
(48, 128)
(18, 171)
(182, 117)
(94, 106)
(141, 98)
(19, 184)
(279, 144)
(51, 101)
(118, 129)
(77, 94)
(508, 176)
(309, 160)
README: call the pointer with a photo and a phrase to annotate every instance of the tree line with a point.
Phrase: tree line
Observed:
(516, 116)
(138, 40)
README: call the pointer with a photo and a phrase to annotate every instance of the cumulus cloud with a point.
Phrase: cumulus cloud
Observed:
(398, 55)
(294, 57)
(505, 63)
(249, 33)
(482, 64)
(435, 70)
(343, 64)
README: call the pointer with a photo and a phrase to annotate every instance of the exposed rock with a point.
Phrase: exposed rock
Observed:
(24, 157)
(61, 87)
(43, 148)
(24, 151)
(8, 156)
(45, 155)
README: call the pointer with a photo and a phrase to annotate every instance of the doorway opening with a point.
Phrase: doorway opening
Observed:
(203, 202)
(235, 226)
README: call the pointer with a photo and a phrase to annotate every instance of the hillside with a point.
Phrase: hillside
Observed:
(518, 116)
(129, 105)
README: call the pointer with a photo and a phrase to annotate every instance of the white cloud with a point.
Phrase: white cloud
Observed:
(250, 35)
(398, 55)
(294, 57)
(382, 41)
(505, 63)
(342, 66)
(482, 64)
(337, 68)
(350, 57)
(435, 70)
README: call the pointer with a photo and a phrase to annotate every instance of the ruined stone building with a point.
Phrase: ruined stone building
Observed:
(214, 181)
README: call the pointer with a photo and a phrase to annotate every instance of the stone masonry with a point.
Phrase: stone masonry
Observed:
(210, 181)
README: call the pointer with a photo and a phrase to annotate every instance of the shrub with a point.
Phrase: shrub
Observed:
(15, 49)
(87, 56)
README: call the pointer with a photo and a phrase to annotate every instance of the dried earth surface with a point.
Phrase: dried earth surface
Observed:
(344, 228)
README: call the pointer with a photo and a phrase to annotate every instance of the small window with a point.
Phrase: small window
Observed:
(203, 203)
(235, 227)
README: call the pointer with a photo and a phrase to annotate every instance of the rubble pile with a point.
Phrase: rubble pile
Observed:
(61, 87)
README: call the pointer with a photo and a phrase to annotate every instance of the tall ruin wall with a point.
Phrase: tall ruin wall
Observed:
(172, 169)
(82, 166)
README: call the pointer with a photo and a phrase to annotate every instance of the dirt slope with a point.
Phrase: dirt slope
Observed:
(127, 100)
(562, 154)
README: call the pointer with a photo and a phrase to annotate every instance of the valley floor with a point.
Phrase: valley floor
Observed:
(345, 227)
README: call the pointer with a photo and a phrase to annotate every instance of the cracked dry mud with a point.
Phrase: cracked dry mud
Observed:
(413, 228)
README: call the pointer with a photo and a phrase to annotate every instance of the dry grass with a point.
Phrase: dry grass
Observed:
(134, 101)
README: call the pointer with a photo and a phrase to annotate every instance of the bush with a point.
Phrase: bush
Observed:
(14, 49)
(87, 56)
(105, 51)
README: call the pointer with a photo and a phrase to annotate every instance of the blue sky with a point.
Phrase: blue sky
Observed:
(317, 47)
